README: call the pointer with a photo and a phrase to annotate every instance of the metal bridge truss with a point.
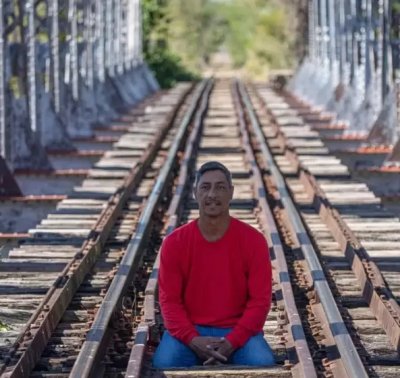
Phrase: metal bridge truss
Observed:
(353, 64)
(64, 66)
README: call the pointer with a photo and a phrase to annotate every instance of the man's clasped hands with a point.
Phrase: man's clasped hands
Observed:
(211, 350)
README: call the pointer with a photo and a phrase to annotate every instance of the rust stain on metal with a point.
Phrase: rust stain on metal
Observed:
(356, 136)
(378, 149)
(97, 139)
(33, 198)
(52, 172)
(386, 169)
(75, 153)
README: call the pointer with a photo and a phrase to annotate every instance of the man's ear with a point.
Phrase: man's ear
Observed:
(194, 193)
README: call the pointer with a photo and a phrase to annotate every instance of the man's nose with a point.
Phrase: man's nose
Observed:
(212, 192)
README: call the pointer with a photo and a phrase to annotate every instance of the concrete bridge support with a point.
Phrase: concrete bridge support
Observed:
(65, 67)
(352, 66)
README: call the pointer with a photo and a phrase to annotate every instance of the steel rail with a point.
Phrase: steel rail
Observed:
(36, 333)
(305, 367)
(348, 352)
(373, 286)
(95, 344)
(144, 331)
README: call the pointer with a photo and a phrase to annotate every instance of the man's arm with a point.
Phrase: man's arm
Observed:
(171, 288)
(260, 291)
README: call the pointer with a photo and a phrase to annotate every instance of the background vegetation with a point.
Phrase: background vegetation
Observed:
(183, 37)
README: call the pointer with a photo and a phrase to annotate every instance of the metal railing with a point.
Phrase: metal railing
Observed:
(353, 45)
(56, 56)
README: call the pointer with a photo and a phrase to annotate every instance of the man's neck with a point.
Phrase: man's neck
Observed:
(213, 228)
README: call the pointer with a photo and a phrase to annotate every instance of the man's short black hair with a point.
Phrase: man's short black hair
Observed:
(213, 166)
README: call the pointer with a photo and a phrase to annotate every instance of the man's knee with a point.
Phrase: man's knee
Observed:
(172, 353)
(165, 360)
(256, 352)
(172, 359)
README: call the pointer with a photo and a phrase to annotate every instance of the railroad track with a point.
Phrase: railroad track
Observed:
(40, 278)
(356, 237)
(335, 301)
(321, 326)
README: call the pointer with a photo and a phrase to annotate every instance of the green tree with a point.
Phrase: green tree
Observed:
(166, 65)
(196, 31)
(258, 35)
(181, 36)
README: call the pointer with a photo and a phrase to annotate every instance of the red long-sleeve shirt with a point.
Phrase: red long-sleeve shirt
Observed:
(226, 283)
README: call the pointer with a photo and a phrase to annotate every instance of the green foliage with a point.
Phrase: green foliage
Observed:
(258, 35)
(396, 6)
(168, 68)
(196, 31)
(240, 28)
(166, 65)
(3, 327)
(181, 36)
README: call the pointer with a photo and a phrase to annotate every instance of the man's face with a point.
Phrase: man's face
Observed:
(213, 193)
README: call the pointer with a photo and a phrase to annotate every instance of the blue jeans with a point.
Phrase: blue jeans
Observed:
(173, 353)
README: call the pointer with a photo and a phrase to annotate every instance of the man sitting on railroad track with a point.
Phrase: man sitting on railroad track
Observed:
(214, 284)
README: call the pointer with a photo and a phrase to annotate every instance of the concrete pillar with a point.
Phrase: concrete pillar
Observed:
(384, 128)
(8, 185)
(25, 149)
(53, 130)
(395, 155)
